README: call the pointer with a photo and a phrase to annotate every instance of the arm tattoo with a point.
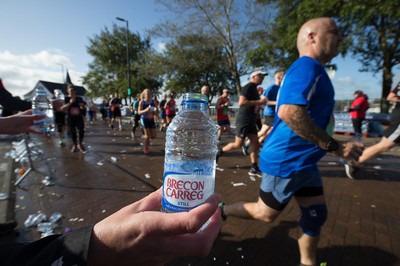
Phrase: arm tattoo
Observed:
(298, 119)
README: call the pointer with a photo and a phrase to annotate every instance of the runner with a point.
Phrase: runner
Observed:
(147, 111)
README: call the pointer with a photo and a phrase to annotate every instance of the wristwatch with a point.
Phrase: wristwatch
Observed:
(332, 145)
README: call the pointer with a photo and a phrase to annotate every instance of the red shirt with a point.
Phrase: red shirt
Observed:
(360, 113)
(170, 108)
(222, 113)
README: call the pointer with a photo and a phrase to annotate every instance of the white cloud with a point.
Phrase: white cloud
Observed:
(347, 79)
(345, 86)
(20, 73)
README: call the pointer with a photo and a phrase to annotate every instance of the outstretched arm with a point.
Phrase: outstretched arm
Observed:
(392, 97)
(19, 123)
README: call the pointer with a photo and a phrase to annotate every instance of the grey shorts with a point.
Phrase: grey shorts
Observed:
(269, 121)
(283, 189)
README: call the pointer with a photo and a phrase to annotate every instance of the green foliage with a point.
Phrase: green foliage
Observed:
(191, 61)
(108, 71)
(371, 30)
(277, 44)
(375, 32)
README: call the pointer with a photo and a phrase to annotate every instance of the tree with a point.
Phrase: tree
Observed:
(371, 29)
(107, 72)
(374, 28)
(227, 22)
(191, 61)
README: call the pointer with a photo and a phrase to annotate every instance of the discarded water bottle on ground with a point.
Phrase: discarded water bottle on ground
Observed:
(35, 219)
(41, 105)
(46, 227)
(190, 151)
(55, 217)
(28, 221)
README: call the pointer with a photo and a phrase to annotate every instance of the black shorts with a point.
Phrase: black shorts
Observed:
(59, 120)
(116, 113)
(393, 131)
(103, 113)
(148, 123)
(224, 123)
(242, 131)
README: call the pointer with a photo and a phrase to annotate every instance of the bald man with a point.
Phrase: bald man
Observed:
(205, 90)
(297, 142)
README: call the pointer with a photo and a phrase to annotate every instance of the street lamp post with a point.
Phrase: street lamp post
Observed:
(127, 56)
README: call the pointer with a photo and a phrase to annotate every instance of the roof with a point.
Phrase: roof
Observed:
(51, 86)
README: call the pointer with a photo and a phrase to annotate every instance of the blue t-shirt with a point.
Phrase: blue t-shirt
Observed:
(271, 93)
(135, 106)
(284, 152)
(149, 114)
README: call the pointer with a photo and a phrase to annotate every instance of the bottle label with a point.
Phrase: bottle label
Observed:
(45, 124)
(41, 121)
(184, 190)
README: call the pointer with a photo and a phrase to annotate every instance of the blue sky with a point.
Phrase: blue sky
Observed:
(41, 39)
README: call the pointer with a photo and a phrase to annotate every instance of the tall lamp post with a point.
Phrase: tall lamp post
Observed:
(127, 56)
(63, 89)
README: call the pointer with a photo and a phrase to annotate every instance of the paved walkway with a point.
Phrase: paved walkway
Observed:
(363, 227)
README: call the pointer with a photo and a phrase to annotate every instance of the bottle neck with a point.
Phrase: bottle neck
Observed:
(195, 101)
(190, 104)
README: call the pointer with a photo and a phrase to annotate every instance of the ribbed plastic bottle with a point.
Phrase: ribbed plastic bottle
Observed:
(59, 95)
(190, 150)
(42, 105)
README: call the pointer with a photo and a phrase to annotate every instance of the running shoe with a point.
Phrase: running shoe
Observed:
(81, 148)
(74, 148)
(245, 149)
(255, 172)
(350, 170)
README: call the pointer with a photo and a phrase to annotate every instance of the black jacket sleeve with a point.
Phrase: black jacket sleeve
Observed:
(12, 103)
(69, 249)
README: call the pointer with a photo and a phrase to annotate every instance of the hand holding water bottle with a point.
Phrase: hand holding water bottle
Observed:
(20, 123)
(145, 236)
(41, 106)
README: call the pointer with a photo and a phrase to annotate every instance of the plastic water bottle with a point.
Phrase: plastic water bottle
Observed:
(190, 151)
(59, 95)
(41, 105)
